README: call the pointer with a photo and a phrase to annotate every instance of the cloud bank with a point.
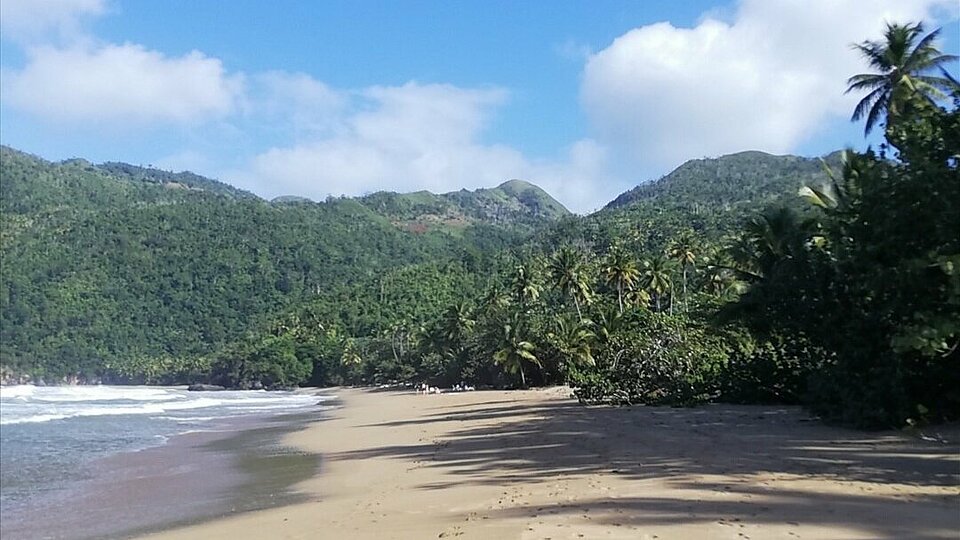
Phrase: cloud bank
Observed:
(121, 84)
(768, 79)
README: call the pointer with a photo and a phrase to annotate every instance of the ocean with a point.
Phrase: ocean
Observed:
(52, 437)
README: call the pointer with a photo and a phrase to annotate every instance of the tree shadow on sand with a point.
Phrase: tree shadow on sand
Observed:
(712, 450)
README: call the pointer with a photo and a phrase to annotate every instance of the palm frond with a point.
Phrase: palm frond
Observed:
(868, 102)
(874, 114)
(865, 81)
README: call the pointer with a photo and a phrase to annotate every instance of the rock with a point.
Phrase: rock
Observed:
(205, 388)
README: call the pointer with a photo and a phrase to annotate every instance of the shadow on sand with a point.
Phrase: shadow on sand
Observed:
(759, 456)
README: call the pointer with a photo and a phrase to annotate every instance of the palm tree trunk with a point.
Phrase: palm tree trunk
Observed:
(620, 296)
(523, 378)
(576, 302)
(686, 305)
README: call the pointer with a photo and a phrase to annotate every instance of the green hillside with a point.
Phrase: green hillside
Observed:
(103, 262)
(512, 203)
(744, 178)
(114, 261)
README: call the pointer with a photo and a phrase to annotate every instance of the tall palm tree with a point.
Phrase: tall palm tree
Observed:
(455, 326)
(657, 276)
(568, 269)
(514, 350)
(776, 235)
(525, 286)
(573, 341)
(683, 249)
(494, 300)
(901, 59)
(621, 270)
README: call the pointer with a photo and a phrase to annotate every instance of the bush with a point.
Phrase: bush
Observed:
(662, 360)
(768, 369)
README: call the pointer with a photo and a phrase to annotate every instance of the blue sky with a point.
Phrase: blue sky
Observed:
(312, 98)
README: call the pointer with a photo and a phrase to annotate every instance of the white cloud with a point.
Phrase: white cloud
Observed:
(414, 137)
(768, 79)
(30, 20)
(124, 86)
(294, 101)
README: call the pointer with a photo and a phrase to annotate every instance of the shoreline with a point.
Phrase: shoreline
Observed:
(237, 465)
(535, 464)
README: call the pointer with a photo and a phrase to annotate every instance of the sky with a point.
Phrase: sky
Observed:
(314, 98)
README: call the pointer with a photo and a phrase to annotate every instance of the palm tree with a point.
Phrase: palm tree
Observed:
(494, 300)
(683, 250)
(525, 286)
(901, 61)
(775, 235)
(455, 325)
(573, 340)
(621, 271)
(567, 268)
(513, 350)
(656, 276)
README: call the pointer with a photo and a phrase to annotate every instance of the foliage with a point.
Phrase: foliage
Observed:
(661, 360)
(902, 60)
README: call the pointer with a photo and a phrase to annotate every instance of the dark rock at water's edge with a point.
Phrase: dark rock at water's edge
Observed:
(205, 387)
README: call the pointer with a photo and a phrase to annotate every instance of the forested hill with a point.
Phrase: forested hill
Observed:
(711, 198)
(113, 261)
(104, 262)
(745, 178)
(514, 202)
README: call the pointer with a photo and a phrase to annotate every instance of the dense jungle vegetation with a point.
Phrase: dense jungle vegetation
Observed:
(749, 278)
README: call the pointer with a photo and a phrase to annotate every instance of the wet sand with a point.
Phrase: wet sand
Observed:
(242, 466)
(534, 464)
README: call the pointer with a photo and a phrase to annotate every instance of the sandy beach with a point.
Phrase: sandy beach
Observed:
(536, 465)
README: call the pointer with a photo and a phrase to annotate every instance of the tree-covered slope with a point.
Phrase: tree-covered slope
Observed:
(113, 261)
(708, 197)
(515, 202)
(725, 183)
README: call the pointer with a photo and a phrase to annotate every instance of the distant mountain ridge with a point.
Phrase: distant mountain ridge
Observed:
(514, 201)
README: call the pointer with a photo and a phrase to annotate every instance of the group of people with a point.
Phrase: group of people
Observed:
(424, 388)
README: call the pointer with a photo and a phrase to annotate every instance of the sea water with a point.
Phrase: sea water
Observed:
(50, 435)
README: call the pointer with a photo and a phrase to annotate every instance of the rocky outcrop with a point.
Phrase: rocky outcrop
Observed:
(205, 388)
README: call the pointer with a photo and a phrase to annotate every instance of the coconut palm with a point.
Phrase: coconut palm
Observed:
(525, 286)
(573, 341)
(568, 270)
(901, 59)
(494, 300)
(621, 271)
(657, 276)
(683, 250)
(513, 350)
(455, 326)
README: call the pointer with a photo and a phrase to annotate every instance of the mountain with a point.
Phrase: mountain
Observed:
(106, 262)
(713, 196)
(515, 202)
(185, 180)
(745, 178)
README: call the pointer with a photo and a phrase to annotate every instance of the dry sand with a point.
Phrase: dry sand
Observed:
(536, 465)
